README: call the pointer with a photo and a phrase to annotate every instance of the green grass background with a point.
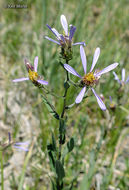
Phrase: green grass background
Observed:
(103, 24)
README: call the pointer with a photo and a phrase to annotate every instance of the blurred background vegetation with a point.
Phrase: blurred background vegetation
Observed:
(100, 160)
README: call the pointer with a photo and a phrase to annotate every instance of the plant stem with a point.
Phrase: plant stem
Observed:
(2, 170)
(65, 94)
(63, 111)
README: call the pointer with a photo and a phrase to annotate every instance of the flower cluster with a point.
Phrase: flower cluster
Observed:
(89, 79)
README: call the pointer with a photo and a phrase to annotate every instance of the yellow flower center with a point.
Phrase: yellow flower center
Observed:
(33, 76)
(112, 105)
(89, 79)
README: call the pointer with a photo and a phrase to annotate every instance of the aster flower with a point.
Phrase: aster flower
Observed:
(21, 146)
(90, 79)
(121, 82)
(17, 145)
(112, 104)
(66, 38)
(33, 75)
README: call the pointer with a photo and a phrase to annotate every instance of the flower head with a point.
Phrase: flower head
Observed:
(33, 75)
(123, 81)
(21, 146)
(112, 104)
(65, 40)
(17, 145)
(91, 78)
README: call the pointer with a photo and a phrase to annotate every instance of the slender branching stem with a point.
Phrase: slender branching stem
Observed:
(63, 112)
(65, 94)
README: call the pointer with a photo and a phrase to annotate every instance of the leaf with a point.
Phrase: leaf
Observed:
(60, 170)
(68, 148)
(50, 108)
(70, 144)
(52, 156)
(62, 126)
(52, 160)
(62, 130)
(53, 142)
(53, 184)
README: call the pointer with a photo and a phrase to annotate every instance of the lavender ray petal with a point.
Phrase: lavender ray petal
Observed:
(72, 31)
(83, 58)
(127, 80)
(20, 80)
(56, 33)
(36, 63)
(52, 40)
(99, 100)
(123, 75)
(116, 77)
(110, 98)
(51, 30)
(79, 43)
(42, 82)
(62, 38)
(21, 148)
(22, 143)
(95, 58)
(71, 70)
(64, 24)
(80, 96)
(107, 69)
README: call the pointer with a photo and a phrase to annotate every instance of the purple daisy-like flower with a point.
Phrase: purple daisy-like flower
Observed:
(64, 39)
(21, 146)
(18, 145)
(123, 81)
(33, 75)
(90, 79)
(112, 104)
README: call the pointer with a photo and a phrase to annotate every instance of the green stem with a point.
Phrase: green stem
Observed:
(2, 170)
(65, 94)
(63, 112)
(62, 135)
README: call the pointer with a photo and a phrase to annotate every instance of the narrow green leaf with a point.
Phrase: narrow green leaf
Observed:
(60, 170)
(52, 156)
(53, 184)
(53, 142)
(62, 126)
(70, 145)
(50, 108)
